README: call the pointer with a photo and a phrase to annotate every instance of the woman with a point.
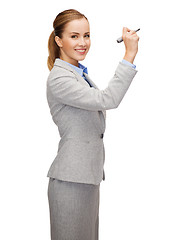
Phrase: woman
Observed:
(78, 109)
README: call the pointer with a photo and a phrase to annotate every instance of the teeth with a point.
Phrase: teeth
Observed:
(80, 50)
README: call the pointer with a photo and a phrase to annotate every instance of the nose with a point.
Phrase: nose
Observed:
(82, 41)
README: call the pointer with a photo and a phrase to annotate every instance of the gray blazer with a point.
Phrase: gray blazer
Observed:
(79, 112)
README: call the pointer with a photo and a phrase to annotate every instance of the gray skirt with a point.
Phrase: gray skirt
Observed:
(74, 210)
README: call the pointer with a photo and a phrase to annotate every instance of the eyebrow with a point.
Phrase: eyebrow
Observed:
(78, 33)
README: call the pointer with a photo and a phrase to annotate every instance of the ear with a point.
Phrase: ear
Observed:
(58, 41)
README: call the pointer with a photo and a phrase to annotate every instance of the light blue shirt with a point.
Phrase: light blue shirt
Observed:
(81, 69)
(128, 63)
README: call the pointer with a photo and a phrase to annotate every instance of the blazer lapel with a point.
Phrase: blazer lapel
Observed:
(62, 64)
(89, 80)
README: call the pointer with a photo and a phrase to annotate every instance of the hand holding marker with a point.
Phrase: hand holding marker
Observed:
(119, 40)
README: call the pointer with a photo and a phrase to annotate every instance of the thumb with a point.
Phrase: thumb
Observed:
(125, 30)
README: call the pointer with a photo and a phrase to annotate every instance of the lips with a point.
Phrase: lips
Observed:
(81, 51)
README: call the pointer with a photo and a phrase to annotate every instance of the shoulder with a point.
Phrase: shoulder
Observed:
(61, 68)
(60, 73)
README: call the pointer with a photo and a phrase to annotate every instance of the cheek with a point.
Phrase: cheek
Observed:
(68, 45)
(89, 43)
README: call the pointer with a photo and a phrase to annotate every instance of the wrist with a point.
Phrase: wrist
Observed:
(129, 56)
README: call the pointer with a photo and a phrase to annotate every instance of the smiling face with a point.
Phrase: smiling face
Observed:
(75, 42)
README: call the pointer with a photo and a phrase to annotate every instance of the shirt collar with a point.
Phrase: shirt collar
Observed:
(80, 69)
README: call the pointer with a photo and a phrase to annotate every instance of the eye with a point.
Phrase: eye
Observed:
(87, 35)
(74, 36)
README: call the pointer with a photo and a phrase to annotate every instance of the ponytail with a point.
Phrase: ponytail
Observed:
(53, 50)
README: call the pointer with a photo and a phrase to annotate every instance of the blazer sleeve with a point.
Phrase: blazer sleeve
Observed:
(65, 89)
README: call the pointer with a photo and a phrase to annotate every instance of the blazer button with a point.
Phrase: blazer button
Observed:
(102, 135)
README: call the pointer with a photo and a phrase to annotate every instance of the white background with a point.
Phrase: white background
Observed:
(136, 201)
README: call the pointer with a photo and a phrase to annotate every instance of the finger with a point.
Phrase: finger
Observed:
(132, 32)
(135, 38)
(125, 30)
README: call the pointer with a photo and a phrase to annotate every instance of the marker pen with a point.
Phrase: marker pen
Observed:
(121, 39)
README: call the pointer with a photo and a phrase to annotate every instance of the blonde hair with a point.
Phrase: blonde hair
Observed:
(59, 24)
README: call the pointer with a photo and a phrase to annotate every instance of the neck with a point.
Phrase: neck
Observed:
(71, 61)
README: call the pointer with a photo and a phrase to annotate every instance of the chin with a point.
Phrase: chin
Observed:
(81, 58)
